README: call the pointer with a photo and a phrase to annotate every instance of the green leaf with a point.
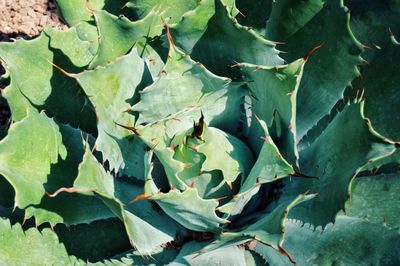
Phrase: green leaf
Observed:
(221, 151)
(269, 167)
(224, 256)
(117, 35)
(382, 95)
(146, 228)
(42, 86)
(225, 42)
(96, 241)
(387, 164)
(190, 210)
(37, 154)
(69, 209)
(77, 13)
(372, 21)
(159, 257)
(111, 89)
(189, 30)
(330, 69)
(274, 91)
(269, 229)
(79, 53)
(171, 10)
(31, 247)
(158, 136)
(344, 243)
(289, 16)
(331, 161)
(375, 199)
(63, 147)
(255, 13)
(183, 84)
(271, 256)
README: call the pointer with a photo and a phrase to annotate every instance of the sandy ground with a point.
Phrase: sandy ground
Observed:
(27, 17)
(20, 18)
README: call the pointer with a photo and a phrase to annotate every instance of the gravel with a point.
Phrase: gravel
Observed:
(27, 17)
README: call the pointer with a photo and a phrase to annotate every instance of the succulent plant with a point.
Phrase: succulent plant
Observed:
(157, 132)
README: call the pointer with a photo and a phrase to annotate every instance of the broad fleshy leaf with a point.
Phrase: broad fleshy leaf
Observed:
(274, 93)
(38, 154)
(331, 161)
(146, 228)
(32, 247)
(225, 43)
(375, 198)
(345, 243)
(111, 89)
(43, 86)
(333, 66)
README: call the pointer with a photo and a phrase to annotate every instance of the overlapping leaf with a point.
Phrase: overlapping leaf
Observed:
(346, 243)
(375, 198)
(274, 96)
(111, 90)
(332, 160)
(43, 87)
(331, 68)
(146, 228)
(244, 45)
(32, 247)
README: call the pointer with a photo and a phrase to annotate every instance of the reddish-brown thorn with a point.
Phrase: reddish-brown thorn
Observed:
(313, 50)
(63, 189)
(88, 8)
(192, 185)
(133, 129)
(229, 183)
(62, 70)
(171, 42)
(173, 147)
(257, 68)
(139, 197)
(284, 252)
(266, 139)
(297, 174)
(251, 244)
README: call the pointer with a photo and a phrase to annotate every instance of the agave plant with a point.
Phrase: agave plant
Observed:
(157, 132)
